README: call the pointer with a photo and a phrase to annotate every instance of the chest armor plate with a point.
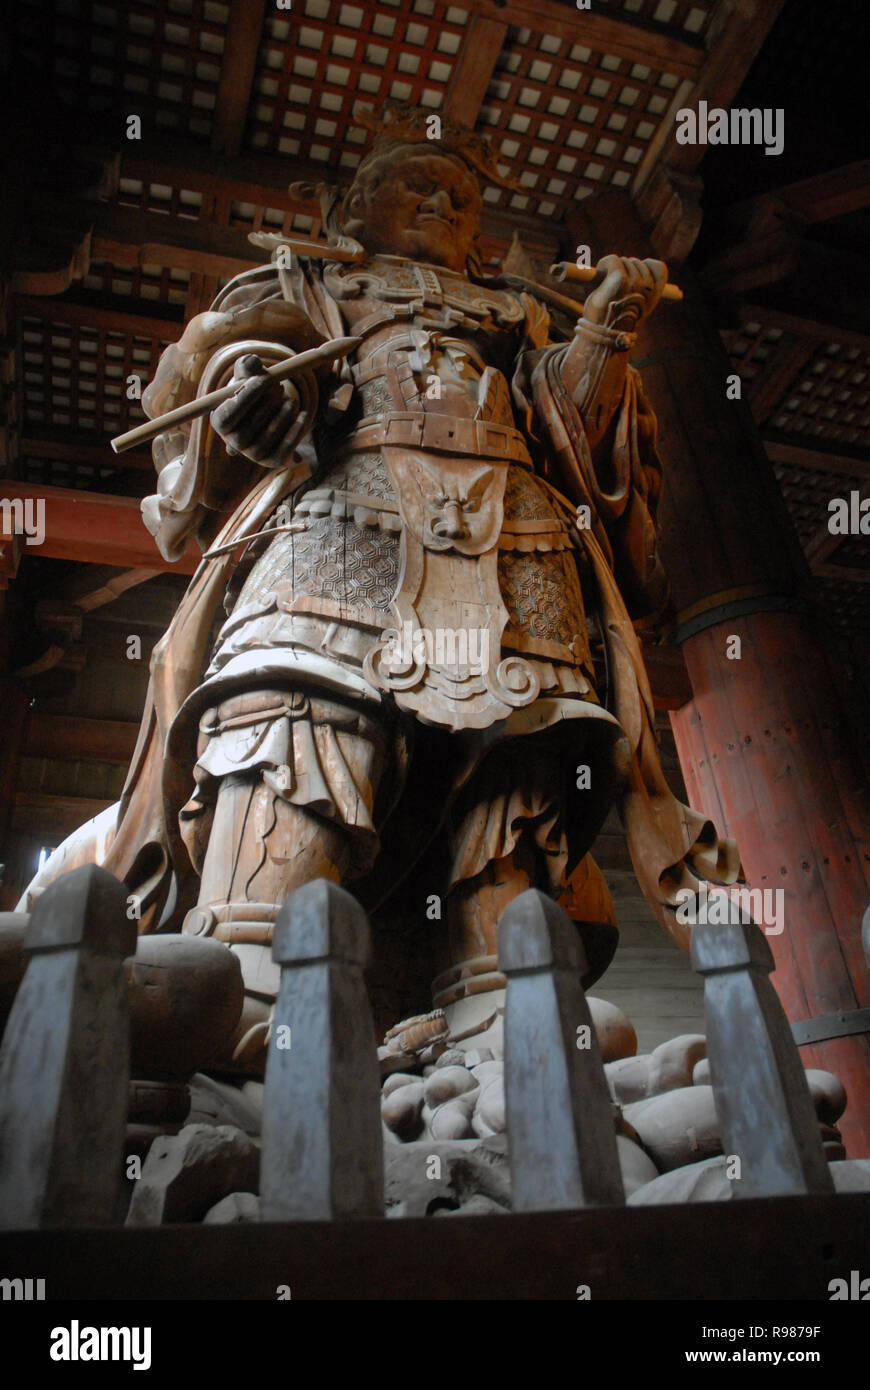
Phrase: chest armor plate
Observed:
(387, 288)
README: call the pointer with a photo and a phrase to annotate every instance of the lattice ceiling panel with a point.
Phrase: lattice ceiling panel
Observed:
(566, 120)
(159, 284)
(314, 66)
(75, 472)
(754, 350)
(162, 58)
(281, 213)
(846, 606)
(807, 493)
(681, 16)
(159, 197)
(75, 376)
(853, 551)
(254, 217)
(830, 398)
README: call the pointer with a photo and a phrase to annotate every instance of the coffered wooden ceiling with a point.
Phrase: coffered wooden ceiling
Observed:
(235, 102)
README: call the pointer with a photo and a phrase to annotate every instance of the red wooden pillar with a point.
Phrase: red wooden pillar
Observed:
(765, 739)
(771, 746)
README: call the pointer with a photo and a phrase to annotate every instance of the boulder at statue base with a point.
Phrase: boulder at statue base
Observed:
(185, 1174)
(431, 1175)
(238, 1206)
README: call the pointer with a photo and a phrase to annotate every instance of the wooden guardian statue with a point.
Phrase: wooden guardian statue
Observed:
(413, 620)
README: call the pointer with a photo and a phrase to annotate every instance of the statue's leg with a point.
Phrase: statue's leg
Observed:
(261, 849)
(475, 905)
(509, 834)
(471, 988)
(275, 828)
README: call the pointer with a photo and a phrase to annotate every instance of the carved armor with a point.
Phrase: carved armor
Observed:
(427, 558)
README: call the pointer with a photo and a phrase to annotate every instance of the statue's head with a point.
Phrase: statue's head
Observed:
(419, 196)
(415, 202)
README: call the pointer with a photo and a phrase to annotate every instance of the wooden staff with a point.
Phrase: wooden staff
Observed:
(327, 352)
(567, 270)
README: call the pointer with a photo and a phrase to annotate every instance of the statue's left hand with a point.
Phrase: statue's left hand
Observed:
(628, 292)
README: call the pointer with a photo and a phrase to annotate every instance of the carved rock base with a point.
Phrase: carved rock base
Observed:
(185, 1174)
(445, 1140)
(238, 1206)
(708, 1182)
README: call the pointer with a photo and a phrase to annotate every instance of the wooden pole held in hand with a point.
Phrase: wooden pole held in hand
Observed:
(567, 270)
(314, 357)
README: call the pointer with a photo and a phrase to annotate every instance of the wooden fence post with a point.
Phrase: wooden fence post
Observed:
(322, 1156)
(763, 1103)
(64, 1064)
(560, 1126)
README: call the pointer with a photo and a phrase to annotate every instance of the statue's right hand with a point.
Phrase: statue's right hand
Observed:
(258, 419)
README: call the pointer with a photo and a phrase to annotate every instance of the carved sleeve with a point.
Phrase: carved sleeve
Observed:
(196, 480)
(620, 481)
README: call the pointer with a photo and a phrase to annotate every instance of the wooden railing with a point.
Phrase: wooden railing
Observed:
(64, 1064)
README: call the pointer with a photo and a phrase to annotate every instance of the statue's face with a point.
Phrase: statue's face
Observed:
(425, 206)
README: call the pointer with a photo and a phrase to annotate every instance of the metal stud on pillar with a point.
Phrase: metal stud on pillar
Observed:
(64, 1064)
(560, 1125)
(322, 1155)
(765, 1112)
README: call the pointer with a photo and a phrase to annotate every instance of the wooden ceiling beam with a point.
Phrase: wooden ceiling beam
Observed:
(474, 68)
(129, 237)
(201, 293)
(758, 260)
(835, 193)
(639, 42)
(733, 47)
(94, 528)
(89, 586)
(100, 585)
(139, 323)
(90, 452)
(69, 738)
(842, 574)
(820, 546)
(829, 285)
(665, 187)
(51, 818)
(818, 459)
(242, 45)
(251, 177)
(766, 392)
(832, 194)
(796, 279)
(803, 325)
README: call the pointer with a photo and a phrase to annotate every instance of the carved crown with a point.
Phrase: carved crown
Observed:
(403, 124)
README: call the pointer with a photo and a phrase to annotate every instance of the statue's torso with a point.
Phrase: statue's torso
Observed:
(425, 518)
